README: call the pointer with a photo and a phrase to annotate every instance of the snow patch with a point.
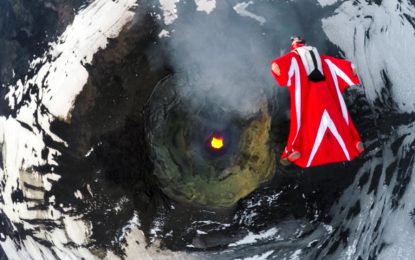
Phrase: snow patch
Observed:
(328, 228)
(325, 3)
(89, 152)
(241, 9)
(77, 230)
(169, 9)
(205, 5)
(296, 255)
(136, 248)
(134, 222)
(263, 256)
(164, 33)
(78, 194)
(253, 238)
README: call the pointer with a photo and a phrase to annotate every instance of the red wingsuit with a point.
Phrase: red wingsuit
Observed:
(321, 128)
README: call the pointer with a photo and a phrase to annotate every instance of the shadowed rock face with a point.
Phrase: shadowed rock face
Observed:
(26, 33)
(189, 169)
(108, 121)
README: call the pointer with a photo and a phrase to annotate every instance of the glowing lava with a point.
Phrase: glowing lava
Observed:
(216, 142)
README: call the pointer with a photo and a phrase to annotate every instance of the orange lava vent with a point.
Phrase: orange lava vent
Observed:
(216, 142)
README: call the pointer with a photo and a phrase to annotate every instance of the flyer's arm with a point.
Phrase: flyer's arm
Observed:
(279, 69)
(344, 70)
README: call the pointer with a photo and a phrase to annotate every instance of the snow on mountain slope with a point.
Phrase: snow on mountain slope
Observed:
(23, 189)
(379, 37)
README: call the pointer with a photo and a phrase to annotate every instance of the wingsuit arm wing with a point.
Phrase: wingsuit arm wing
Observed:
(279, 69)
(344, 71)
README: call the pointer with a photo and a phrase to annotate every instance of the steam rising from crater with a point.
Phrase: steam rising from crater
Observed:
(223, 60)
(225, 54)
